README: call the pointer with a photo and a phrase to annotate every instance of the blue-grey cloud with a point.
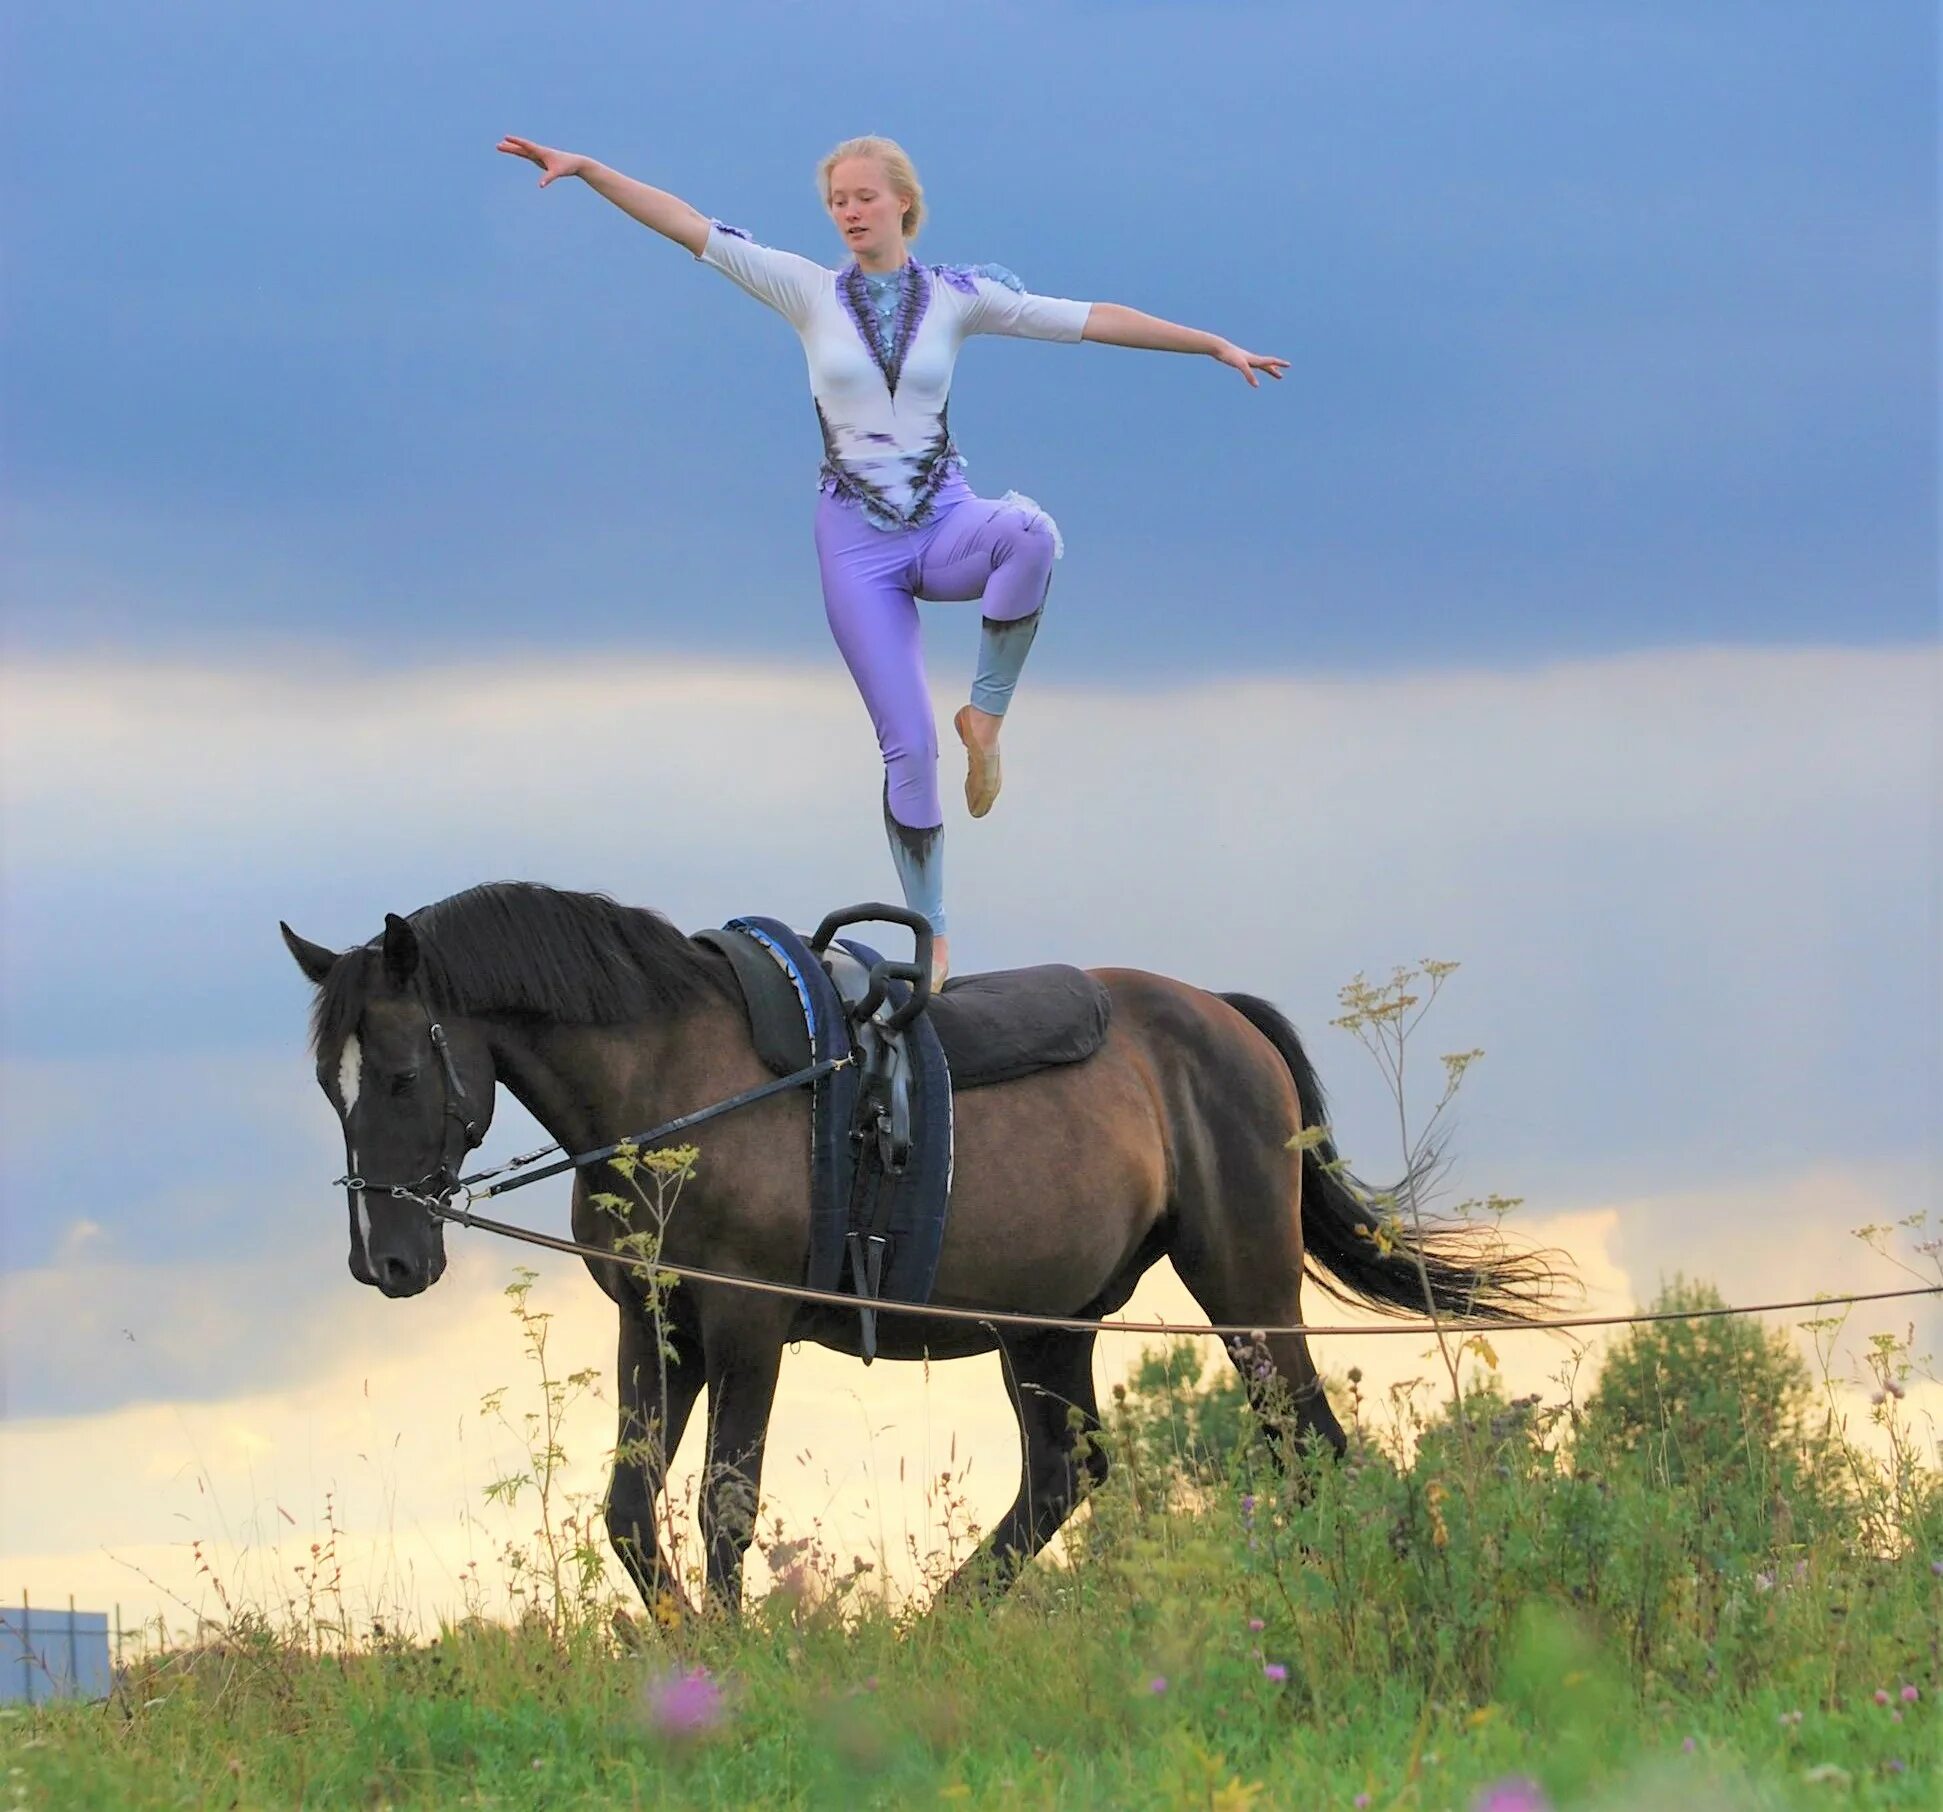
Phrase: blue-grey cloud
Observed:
(1606, 330)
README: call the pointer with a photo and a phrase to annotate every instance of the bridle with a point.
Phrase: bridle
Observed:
(436, 1187)
(434, 1191)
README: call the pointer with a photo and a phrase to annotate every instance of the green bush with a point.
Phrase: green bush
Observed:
(1726, 1401)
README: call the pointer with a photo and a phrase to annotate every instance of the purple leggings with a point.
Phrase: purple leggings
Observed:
(970, 547)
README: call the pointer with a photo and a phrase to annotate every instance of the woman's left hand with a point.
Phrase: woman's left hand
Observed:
(1248, 363)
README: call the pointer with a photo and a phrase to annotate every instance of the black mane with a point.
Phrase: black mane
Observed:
(518, 947)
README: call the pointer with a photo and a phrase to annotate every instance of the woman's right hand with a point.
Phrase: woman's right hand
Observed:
(554, 164)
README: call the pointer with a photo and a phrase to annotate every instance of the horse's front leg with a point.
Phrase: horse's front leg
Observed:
(742, 1346)
(657, 1392)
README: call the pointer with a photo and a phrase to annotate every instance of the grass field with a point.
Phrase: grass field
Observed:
(1693, 1589)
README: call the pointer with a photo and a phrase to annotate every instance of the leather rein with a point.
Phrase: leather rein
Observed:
(435, 1190)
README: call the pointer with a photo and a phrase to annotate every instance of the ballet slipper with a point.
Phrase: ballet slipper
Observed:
(982, 778)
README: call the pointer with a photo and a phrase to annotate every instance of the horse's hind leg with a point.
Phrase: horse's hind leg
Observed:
(1262, 1288)
(657, 1393)
(1049, 1377)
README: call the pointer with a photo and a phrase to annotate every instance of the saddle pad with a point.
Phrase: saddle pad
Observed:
(778, 968)
(908, 1210)
(994, 1027)
(795, 1006)
(1008, 1023)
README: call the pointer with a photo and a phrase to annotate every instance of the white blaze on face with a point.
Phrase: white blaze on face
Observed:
(350, 1074)
(350, 1078)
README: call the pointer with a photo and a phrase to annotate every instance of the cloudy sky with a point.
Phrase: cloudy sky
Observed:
(379, 524)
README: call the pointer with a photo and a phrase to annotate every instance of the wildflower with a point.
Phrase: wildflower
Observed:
(1158, 1684)
(681, 1707)
(1257, 1625)
(1361, 1802)
(1877, 1399)
(1911, 1694)
(1936, 1567)
(1515, 1794)
(1248, 1507)
(1894, 1765)
(1788, 1719)
(1689, 1746)
(1274, 1670)
(1764, 1582)
(1882, 1698)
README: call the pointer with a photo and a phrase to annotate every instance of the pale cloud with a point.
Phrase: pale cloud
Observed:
(1693, 890)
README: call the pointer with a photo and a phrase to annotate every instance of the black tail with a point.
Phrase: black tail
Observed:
(1470, 1271)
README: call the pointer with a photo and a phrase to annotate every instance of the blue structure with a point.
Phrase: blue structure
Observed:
(53, 1654)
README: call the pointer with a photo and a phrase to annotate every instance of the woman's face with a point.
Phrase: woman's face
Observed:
(868, 212)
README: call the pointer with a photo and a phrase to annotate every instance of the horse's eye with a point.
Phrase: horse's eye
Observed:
(404, 1082)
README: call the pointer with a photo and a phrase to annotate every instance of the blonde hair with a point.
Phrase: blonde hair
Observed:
(899, 171)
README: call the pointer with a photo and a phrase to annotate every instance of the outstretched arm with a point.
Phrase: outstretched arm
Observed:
(668, 214)
(1111, 324)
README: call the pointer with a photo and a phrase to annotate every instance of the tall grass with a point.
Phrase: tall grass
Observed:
(1694, 1587)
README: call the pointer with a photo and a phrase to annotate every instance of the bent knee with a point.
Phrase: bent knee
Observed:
(1031, 539)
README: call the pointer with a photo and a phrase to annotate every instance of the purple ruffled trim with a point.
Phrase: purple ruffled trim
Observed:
(962, 277)
(734, 232)
(940, 460)
(914, 299)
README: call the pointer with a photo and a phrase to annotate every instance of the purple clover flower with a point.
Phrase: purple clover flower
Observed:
(684, 1706)
(1257, 1625)
(1911, 1694)
(1157, 1685)
(1519, 1793)
(1274, 1670)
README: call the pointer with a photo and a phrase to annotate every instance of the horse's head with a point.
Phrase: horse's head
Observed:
(414, 1094)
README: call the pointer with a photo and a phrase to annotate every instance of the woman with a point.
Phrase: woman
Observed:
(896, 521)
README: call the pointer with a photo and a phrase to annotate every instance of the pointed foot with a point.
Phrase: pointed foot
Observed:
(978, 731)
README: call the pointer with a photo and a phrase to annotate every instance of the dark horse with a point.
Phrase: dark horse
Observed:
(1173, 1141)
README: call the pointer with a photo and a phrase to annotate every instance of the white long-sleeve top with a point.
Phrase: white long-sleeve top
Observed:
(881, 392)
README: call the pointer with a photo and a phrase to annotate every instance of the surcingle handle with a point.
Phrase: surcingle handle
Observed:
(917, 973)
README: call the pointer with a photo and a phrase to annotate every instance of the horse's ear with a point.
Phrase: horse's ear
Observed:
(313, 959)
(401, 951)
